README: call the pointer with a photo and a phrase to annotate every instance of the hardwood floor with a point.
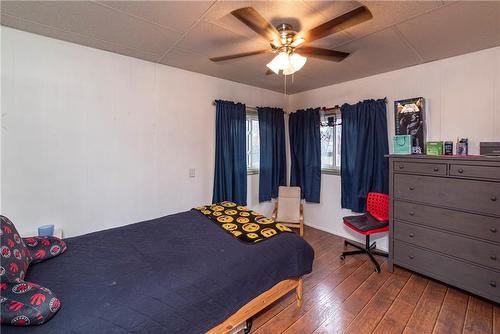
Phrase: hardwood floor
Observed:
(349, 297)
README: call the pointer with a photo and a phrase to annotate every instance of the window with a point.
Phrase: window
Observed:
(253, 143)
(331, 132)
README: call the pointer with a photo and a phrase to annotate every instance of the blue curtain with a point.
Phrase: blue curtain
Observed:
(230, 179)
(364, 144)
(305, 149)
(272, 169)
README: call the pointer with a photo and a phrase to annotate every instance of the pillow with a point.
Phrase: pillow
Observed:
(43, 248)
(15, 255)
(25, 303)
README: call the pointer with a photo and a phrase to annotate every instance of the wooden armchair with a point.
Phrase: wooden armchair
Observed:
(288, 209)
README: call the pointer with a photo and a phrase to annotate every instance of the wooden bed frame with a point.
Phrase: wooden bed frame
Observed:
(259, 303)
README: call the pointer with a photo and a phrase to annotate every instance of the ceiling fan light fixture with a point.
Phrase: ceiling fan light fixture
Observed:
(273, 67)
(280, 62)
(289, 64)
(297, 42)
(297, 61)
(275, 43)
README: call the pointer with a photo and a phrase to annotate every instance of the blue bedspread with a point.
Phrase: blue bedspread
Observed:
(176, 274)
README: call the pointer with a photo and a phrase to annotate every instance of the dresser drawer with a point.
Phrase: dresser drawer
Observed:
(483, 172)
(420, 168)
(480, 252)
(476, 196)
(478, 226)
(475, 279)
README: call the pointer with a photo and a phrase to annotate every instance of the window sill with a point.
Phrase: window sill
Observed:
(252, 171)
(330, 171)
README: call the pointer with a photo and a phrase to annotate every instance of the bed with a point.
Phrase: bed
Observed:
(176, 274)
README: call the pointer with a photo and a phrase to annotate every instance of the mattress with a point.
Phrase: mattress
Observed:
(176, 274)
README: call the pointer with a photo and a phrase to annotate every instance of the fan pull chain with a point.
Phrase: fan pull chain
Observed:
(284, 76)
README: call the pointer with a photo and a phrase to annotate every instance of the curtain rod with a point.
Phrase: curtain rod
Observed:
(247, 107)
(323, 108)
(338, 107)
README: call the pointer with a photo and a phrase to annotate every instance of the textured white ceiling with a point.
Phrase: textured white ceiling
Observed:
(185, 34)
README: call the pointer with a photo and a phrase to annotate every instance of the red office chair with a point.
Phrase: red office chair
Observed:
(375, 220)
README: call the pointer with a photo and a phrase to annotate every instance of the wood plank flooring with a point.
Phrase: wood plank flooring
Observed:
(349, 297)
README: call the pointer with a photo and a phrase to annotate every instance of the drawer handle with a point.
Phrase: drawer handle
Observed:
(412, 213)
(436, 169)
(460, 170)
(493, 284)
(411, 187)
(411, 235)
(411, 257)
(493, 198)
(493, 257)
(401, 167)
(493, 230)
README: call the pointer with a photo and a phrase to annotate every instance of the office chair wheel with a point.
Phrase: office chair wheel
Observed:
(377, 270)
(342, 257)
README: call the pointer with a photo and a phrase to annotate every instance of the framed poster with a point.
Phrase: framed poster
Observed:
(409, 116)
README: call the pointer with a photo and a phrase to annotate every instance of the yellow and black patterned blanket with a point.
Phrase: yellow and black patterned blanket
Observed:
(241, 222)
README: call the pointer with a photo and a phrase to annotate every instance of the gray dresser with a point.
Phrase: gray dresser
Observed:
(445, 220)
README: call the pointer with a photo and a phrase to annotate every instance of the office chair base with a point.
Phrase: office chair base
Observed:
(368, 249)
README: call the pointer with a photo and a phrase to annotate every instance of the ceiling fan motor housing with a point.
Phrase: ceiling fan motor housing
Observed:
(287, 33)
(284, 27)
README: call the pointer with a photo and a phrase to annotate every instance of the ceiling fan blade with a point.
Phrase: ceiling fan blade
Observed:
(321, 53)
(239, 55)
(342, 22)
(256, 22)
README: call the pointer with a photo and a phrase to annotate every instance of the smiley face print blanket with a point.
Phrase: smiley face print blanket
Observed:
(244, 224)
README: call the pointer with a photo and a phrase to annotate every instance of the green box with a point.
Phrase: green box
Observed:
(402, 144)
(434, 148)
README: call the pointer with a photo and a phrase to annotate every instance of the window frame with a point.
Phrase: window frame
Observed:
(334, 170)
(252, 116)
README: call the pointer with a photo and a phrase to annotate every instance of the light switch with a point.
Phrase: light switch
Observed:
(192, 172)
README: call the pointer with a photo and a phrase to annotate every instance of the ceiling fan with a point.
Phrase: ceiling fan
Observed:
(289, 45)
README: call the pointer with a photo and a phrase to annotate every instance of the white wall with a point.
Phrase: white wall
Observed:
(92, 140)
(463, 100)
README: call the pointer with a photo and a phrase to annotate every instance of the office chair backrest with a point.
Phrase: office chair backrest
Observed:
(377, 204)
(288, 205)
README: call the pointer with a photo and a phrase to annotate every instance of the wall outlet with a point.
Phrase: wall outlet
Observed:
(192, 172)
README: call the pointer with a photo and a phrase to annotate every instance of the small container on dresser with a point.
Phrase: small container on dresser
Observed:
(445, 220)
